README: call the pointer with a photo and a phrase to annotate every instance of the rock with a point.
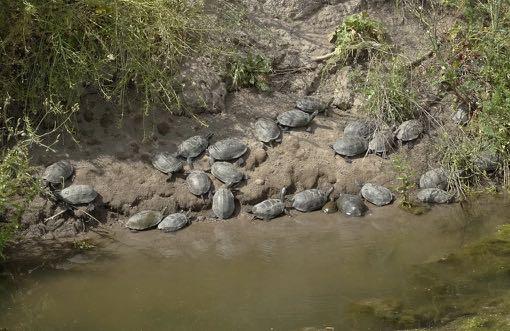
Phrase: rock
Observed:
(351, 205)
(376, 194)
(434, 195)
(259, 181)
(435, 178)
(257, 157)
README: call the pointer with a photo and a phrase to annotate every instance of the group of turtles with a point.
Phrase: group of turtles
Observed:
(226, 159)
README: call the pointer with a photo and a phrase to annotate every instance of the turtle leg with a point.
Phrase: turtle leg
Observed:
(239, 162)
(348, 159)
(384, 155)
(285, 129)
(308, 129)
(410, 145)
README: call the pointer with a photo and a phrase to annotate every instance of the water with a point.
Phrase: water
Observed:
(288, 274)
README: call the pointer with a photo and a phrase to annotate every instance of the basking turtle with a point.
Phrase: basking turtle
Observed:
(311, 200)
(198, 183)
(376, 194)
(58, 172)
(174, 222)
(267, 131)
(310, 104)
(295, 118)
(435, 178)
(330, 207)
(351, 205)
(227, 149)
(349, 146)
(228, 173)
(166, 163)
(78, 194)
(381, 143)
(270, 208)
(193, 147)
(223, 204)
(360, 128)
(409, 130)
(434, 195)
(144, 220)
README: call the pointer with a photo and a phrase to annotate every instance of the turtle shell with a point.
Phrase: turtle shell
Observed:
(409, 130)
(227, 149)
(198, 183)
(58, 172)
(311, 104)
(360, 128)
(309, 200)
(435, 178)
(266, 130)
(227, 172)
(381, 142)
(351, 205)
(193, 146)
(166, 163)
(350, 146)
(173, 222)
(144, 220)
(223, 204)
(268, 209)
(78, 194)
(377, 194)
(294, 118)
(434, 195)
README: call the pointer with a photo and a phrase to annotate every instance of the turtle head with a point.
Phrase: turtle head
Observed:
(328, 191)
(313, 115)
(209, 136)
(282, 193)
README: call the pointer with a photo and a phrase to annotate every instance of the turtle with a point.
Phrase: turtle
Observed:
(351, 205)
(223, 204)
(174, 222)
(461, 116)
(360, 128)
(228, 173)
(166, 163)
(58, 172)
(295, 118)
(78, 194)
(270, 208)
(435, 178)
(144, 220)
(198, 183)
(311, 200)
(376, 194)
(330, 207)
(227, 149)
(349, 146)
(381, 143)
(267, 131)
(310, 104)
(486, 160)
(434, 195)
(193, 147)
(409, 131)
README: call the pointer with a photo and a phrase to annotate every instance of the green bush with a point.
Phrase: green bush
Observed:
(250, 71)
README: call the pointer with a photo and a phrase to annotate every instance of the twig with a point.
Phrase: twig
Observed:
(54, 216)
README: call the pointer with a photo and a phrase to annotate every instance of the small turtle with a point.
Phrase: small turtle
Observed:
(330, 207)
(198, 183)
(223, 204)
(78, 194)
(435, 178)
(434, 195)
(487, 161)
(174, 222)
(409, 130)
(267, 131)
(166, 163)
(461, 116)
(58, 172)
(270, 208)
(376, 194)
(144, 220)
(381, 143)
(228, 173)
(295, 118)
(311, 200)
(360, 128)
(351, 205)
(311, 104)
(193, 147)
(227, 149)
(349, 146)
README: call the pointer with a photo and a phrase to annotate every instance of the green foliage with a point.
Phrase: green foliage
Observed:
(250, 71)
(405, 177)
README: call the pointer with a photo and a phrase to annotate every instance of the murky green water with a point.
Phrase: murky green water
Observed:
(288, 274)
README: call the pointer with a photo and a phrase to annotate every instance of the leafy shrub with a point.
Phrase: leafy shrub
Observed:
(250, 71)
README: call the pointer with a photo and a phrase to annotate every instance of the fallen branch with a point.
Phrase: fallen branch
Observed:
(366, 44)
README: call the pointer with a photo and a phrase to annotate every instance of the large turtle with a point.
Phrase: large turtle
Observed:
(166, 163)
(360, 128)
(310, 104)
(193, 147)
(351, 205)
(270, 208)
(58, 172)
(409, 130)
(435, 178)
(228, 173)
(78, 194)
(223, 204)
(381, 143)
(227, 149)
(144, 220)
(267, 131)
(434, 195)
(295, 118)
(486, 160)
(198, 183)
(311, 200)
(376, 194)
(349, 146)
(174, 222)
